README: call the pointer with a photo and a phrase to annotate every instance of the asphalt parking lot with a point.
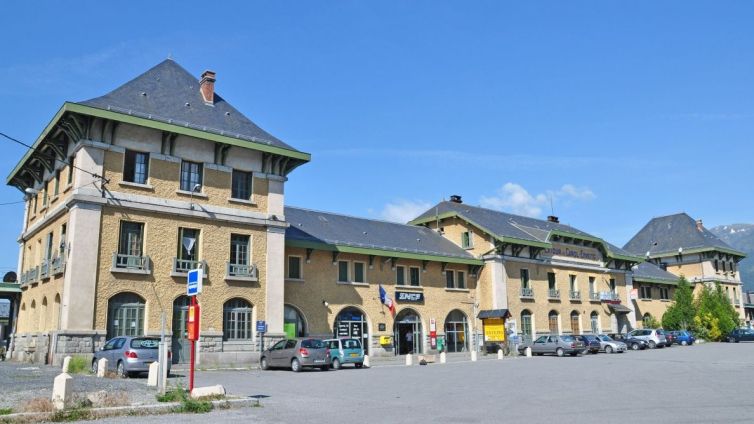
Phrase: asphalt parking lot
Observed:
(697, 384)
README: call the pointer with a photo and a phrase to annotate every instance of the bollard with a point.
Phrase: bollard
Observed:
(366, 361)
(500, 354)
(62, 390)
(66, 364)
(473, 356)
(409, 359)
(154, 373)
(442, 357)
(528, 352)
(101, 367)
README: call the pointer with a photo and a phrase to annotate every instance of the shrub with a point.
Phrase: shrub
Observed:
(78, 365)
(175, 394)
(5, 411)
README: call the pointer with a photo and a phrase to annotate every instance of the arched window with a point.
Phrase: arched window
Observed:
(526, 327)
(647, 320)
(43, 315)
(595, 322)
(575, 327)
(56, 312)
(33, 317)
(293, 322)
(552, 319)
(125, 315)
(456, 327)
(237, 320)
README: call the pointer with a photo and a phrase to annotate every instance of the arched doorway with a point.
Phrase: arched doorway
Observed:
(181, 346)
(237, 320)
(351, 322)
(526, 327)
(293, 322)
(456, 329)
(552, 320)
(575, 325)
(56, 312)
(125, 315)
(646, 321)
(407, 332)
(594, 319)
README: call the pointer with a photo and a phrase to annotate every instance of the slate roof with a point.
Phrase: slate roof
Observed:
(507, 225)
(650, 272)
(341, 230)
(161, 94)
(663, 236)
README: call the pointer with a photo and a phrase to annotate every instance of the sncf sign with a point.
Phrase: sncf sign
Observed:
(410, 297)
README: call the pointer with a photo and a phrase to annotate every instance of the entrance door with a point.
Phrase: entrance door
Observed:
(408, 333)
(353, 324)
(181, 346)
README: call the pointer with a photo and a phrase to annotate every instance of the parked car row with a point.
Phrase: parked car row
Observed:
(313, 353)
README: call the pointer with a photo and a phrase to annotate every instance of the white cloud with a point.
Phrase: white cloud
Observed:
(403, 210)
(514, 198)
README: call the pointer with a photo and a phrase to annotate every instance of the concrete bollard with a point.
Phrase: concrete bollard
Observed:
(500, 354)
(473, 356)
(366, 361)
(154, 374)
(409, 359)
(528, 352)
(442, 357)
(62, 388)
(101, 367)
(66, 364)
(200, 392)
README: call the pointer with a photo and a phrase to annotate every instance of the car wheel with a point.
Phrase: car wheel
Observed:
(684, 343)
(264, 364)
(122, 373)
(94, 366)
(336, 364)
(359, 365)
(559, 351)
(652, 344)
(635, 346)
(295, 365)
(608, 349)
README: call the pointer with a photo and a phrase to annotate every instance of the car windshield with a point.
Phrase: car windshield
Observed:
(567, 338)
(145, 343)
(313, 344)
(605, 338)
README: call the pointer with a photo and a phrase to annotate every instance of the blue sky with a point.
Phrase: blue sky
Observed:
(618, 111)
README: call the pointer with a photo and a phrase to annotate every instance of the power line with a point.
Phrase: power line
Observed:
(53, 157)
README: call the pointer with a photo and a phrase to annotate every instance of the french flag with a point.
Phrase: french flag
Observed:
(387, 301)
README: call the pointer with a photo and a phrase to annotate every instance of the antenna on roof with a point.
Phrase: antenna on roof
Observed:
(170, 55)
(552, 208)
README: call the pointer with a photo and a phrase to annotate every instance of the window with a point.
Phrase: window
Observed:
(717, 268)
(592, 288)
(414, 274)
(136, 167)
(525, 278)
(461, 279)
(646, 292)
(664, 293)
(63, 230)
(553, 322)
(241, 185)
(35, 203)
(239, 249)
(48, 247)
(526, 327)
(450, 279)
(125, 315)
(44, 196)
(732, 266)
(572, 283)
(358, 272)
(69, 180)
(191, 175)
(466, 240)
(131, 237)
(237, 320)
(595, 322)
(575, 327)
(400, 275)
(612, 285)
(723, 264)
(188, 244)
(343, 271)
(551, 280)
(56, 190)
(294, 267)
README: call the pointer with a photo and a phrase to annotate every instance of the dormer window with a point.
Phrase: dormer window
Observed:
(466, 240)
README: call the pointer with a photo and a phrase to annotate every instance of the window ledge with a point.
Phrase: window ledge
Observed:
(240, 278)
(192, 194)
(348, 283)
(130, 271)
(295, 280)
(54, 198)
(664, 300)
(448, 289)
(644, 299)
(468, 248)
(136, 185)
(242, 201)
(67, 188)
(405, 287)
(43, 208)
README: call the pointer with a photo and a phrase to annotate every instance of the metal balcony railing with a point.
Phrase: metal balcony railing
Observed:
(58, 265)
(527, 292)
(574, 295)
(241, 271)
(44, 269)
(594, 296)
(33, 273)
(609, 296)
(553, 294)
(22, 278)
(130, 262)
(183, 266)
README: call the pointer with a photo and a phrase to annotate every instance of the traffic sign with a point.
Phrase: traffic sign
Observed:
(194, 282)
(261, 327)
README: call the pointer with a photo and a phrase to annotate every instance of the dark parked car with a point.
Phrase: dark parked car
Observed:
(741, 335)
(591, 342)
(129, 355)
(632, 342)
(296, 354)
(669, 337)
(683, 337)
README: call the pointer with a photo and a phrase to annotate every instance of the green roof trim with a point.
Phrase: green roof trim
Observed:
(699, 250)
(158, 125)
(381, 252)
(10, 288)
(655, 281)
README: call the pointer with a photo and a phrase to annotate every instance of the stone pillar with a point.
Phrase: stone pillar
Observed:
(274, 284)
(499, 282)
(62, 390)
(629, 302)
(66, 364)
(101, 367)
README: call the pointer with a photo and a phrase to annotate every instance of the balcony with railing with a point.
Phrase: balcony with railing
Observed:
(22, 278)
(44, 269)
(574, 295)
(609, 296)
(33, 275)
(130, 264)
(181, 267)
(240, 272)
(594, 296)
(527, 293)
(553, 294)
(58, 265)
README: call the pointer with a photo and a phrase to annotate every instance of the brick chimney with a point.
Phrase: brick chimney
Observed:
(699, 225)
(456, 199)
(207, 86)
(553, 218)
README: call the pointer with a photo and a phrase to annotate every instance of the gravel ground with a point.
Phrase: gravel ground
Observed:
(23, 382)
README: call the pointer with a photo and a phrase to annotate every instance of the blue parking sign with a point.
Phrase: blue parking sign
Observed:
(194, 282)
(261, 327)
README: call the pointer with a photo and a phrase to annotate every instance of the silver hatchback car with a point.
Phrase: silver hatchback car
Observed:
(653, 337)
(608, 345)
(296, 354)
(129, 355)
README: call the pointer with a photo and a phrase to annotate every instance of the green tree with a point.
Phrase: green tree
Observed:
(715, 316)
(680, 315)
